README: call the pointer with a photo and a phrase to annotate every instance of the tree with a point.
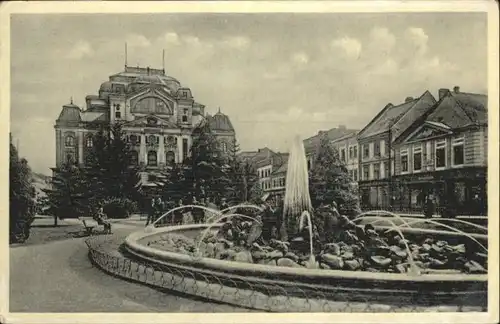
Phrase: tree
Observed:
(109, 169)
(329, 181)
(68, 194)
(205, 169)
(21, 197)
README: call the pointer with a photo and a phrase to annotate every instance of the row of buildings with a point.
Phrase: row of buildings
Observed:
(158, 116)
(422, 147)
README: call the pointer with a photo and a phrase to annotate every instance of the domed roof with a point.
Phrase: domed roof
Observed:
(221, 122)
(106, 86)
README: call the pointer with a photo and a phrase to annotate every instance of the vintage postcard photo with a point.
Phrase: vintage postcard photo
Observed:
(241, 163)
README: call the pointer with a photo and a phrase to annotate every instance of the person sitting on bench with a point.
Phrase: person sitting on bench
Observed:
(101, 219)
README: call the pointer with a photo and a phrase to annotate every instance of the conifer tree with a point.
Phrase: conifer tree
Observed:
(109, 169)
(204, 169)
(68, 194)
(21, 197)
(329, 180)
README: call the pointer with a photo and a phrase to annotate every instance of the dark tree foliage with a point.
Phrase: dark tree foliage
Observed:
(21, 197)
(109, 170)
(68, 193)
(329, 181)
(205, 170)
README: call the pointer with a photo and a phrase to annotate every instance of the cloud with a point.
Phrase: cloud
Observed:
(136, 40)
(80, 50)
(419, 39)
(300, 58)
(171, 38)
(382, 37)
(350, 47)
(238, 42)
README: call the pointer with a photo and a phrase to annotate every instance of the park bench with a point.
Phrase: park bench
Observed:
(90, 224)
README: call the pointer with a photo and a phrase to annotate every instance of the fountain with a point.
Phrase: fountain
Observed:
(405, 263)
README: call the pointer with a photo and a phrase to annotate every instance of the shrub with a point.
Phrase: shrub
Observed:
(119, 207)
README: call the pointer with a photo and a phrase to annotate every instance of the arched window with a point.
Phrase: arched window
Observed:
(89, 142)
(170, 158)
(152, 158)
(134, 158)
(69, 141)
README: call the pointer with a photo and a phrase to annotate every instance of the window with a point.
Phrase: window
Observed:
(134, 139)
(185, 116)
(355, 152)
(342, 155)
(376, 149)
(386, 169)
(185, 148)
(440, 154)
(376, 171)
(404, 160)
(224, 147)
(170, 158)
(152, 158)
(383, 147)
(171, 140)
(417, 158)
(70, 159)
(70, 141)
(89, 143)
(351, 152)
(366, 151)
(152, 139)
(118, 115)
(458, 151)
(366, 172)
(355, 174)
(134, 158)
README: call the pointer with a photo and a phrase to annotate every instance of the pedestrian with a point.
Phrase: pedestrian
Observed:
(151, 211)
(158, 209)
(101, 219)
(179, 213)
(429, 207)
(211, 205)
(197, 213)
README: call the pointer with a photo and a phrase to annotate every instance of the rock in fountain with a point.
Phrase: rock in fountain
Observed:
(297, 199)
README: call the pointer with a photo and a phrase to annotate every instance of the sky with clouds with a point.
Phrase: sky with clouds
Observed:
(275, 75)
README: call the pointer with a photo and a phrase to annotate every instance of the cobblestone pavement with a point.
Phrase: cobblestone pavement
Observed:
(58, 277)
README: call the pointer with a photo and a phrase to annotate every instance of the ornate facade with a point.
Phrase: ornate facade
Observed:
(157, 115)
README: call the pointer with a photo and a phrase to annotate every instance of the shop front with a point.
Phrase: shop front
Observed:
(454, 192)
(374, 195)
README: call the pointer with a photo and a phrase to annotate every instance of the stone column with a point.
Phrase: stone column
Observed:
(161, 150)
(80, 147)
(179, 147)
(142, 150)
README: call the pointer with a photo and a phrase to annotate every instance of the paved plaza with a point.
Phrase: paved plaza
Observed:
(58, 277)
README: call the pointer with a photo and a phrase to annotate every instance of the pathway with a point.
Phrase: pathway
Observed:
(58, 277)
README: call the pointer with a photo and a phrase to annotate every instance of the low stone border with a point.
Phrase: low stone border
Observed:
(263, 296)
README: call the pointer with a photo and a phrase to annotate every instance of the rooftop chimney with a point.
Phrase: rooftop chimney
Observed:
(443, 92)
(408, 99)
(456, 89)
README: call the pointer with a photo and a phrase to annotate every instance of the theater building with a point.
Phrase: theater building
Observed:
(157, 114)
(445, 156)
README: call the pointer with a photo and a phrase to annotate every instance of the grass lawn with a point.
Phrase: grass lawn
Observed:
(43, 231)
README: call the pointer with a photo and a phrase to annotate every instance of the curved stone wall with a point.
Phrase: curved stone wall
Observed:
(381, 287)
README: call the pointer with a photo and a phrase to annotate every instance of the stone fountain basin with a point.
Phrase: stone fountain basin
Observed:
(433, 289)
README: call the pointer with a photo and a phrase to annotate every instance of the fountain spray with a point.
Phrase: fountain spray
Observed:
(297, 199)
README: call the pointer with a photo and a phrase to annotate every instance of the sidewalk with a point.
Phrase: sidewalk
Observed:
(436, 215)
